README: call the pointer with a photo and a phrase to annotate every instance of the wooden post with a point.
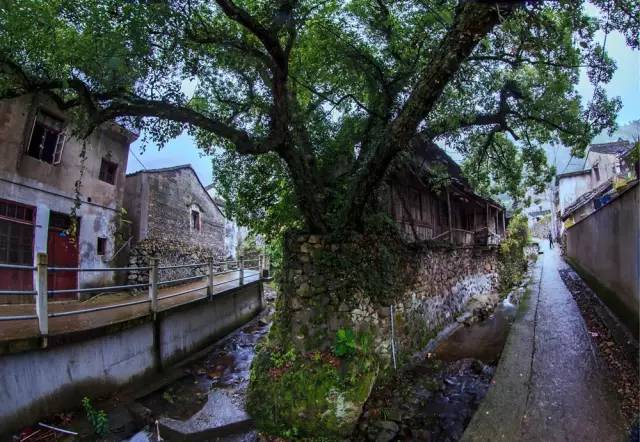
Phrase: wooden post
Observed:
(153, 285)
(488, 230)
(449, 216)
(41, 297)
(261, 265)
(504, 225)
(267, 265)
(241, 270)
(210, 280)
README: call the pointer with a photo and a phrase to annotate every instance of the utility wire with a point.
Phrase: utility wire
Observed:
(137, 159)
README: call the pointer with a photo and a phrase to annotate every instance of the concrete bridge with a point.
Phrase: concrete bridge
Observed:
(95, 349)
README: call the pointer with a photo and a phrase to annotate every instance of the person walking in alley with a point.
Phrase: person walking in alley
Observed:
(550, 241)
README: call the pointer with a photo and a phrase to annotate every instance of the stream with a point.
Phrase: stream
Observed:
(433, 399)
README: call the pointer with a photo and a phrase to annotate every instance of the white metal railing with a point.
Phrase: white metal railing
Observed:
(42, 271)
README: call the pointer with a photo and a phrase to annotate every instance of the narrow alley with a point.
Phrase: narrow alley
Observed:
(550, 384)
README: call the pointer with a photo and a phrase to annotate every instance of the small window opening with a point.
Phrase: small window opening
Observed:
(101, 246)
(195, 220)
(596, 171)
(47, 139)
(108, 171)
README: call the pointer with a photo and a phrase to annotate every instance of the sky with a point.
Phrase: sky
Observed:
(625, 84)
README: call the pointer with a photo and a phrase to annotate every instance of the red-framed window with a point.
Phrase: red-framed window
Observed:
(16, 233)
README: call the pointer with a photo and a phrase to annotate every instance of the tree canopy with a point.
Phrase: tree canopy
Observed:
(304, 104)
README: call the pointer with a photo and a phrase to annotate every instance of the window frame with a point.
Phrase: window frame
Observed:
(23, 224)
(101, 246)
(56, 157)
(108, 163)
(195, 210)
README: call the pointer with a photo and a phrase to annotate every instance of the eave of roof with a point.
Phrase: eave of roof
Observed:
(611, 148)
(572, 174)
(585, 198)
(430, 153)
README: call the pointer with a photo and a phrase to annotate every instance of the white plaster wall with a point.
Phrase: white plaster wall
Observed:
(570, 188)
(95, 221)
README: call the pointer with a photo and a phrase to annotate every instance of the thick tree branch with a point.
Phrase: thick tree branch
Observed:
(268, 39)
(473, 21)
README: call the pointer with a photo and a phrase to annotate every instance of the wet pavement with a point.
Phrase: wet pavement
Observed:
(550, 384)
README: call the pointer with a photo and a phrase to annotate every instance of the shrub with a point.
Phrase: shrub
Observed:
(345, 344)
(512, 259)
(97, 418)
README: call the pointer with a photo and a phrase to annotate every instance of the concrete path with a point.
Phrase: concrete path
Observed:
(24, 329)
(549, 384)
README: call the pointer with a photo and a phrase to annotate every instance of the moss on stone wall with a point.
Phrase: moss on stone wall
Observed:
(512, 259)
(299, 395)
(299, 387)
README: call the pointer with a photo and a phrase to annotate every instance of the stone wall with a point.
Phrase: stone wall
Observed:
(331, 337)
(159, 203)
(432, 286)
(171, 196)
(168, 252)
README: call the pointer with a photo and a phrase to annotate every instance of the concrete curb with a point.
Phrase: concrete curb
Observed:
(500, 413)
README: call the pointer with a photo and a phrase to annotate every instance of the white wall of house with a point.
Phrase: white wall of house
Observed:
(51, 187)
(570, 188)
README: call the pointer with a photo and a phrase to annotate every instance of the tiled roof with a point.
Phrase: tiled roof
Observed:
(614, 148)
(586, 197)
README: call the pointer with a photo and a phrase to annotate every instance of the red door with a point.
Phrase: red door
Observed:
(62, 252)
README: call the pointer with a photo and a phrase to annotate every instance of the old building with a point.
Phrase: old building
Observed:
(173, 216)
(570, 186)
(606, 166)
(234, 234)
(431, 200)
(46, 174)
(607, 160)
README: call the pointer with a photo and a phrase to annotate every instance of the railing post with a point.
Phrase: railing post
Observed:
(241, 264)
(41, 298)
(153, 285)
(267, 266)
(210, 283)
(260, 265)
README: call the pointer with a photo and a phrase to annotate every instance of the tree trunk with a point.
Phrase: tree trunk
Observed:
(329, 340)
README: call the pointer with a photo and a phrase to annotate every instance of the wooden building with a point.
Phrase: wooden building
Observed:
(431, 200)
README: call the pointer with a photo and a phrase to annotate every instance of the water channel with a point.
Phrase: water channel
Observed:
(432, 400)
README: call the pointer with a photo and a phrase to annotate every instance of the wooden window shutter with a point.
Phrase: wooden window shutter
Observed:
(57, 155)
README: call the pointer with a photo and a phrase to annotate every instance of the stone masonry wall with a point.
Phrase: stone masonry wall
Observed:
(171, 196)
(434, 285)
(168, 252)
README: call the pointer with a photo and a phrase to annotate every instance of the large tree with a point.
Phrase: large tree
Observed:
(305, 104)
(312, 100)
